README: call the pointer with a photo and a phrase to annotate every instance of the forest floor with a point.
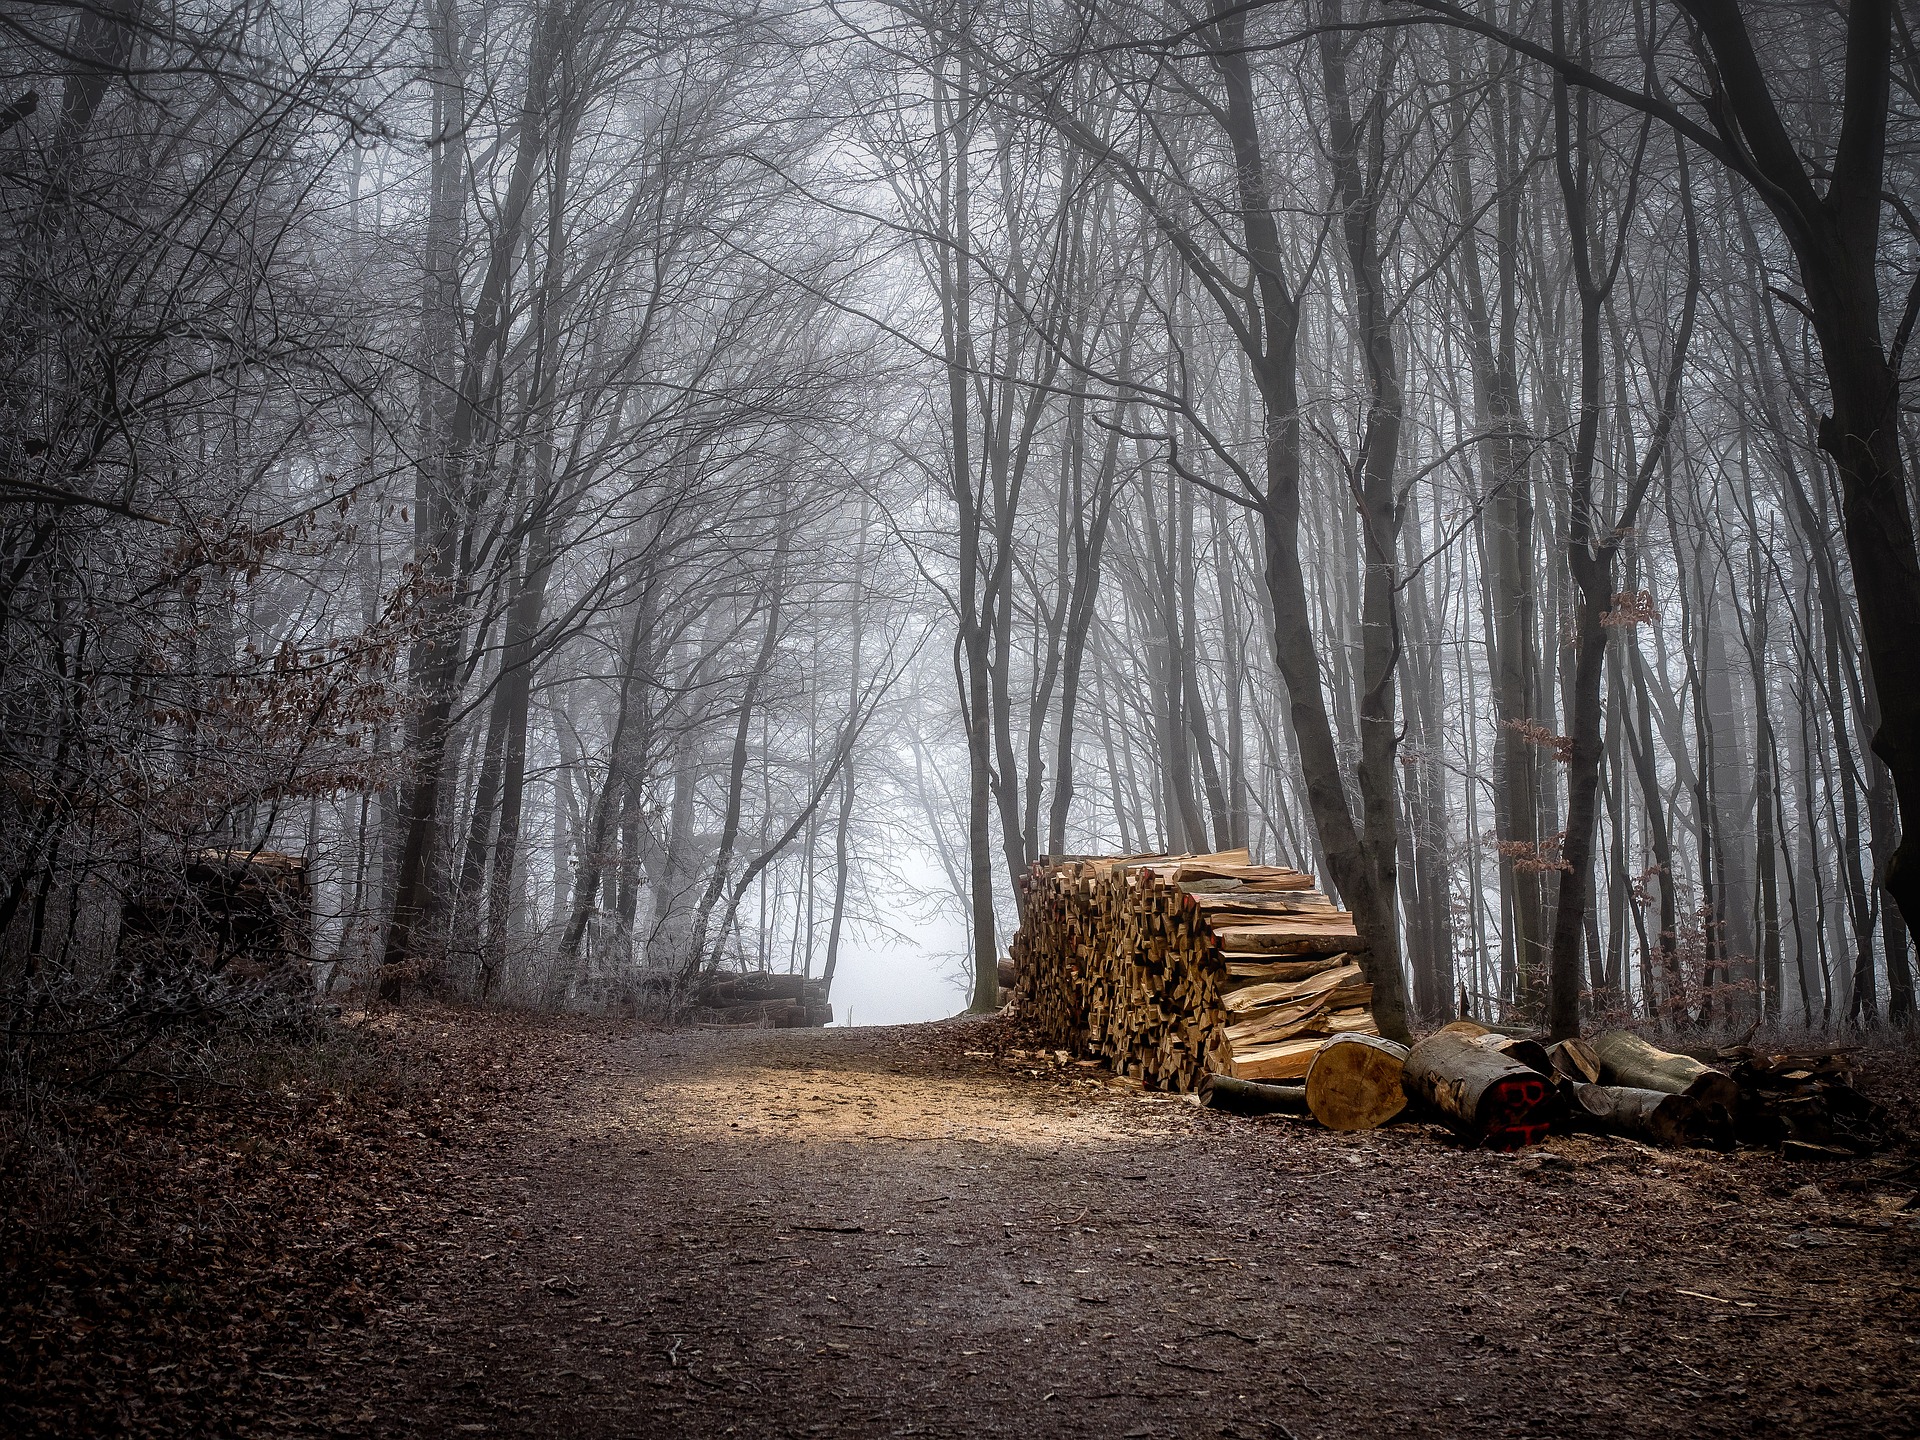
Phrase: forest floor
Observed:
(579, 1229)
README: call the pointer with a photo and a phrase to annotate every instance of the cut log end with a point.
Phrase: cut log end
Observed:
(1483, 1096)
(1355, 1082)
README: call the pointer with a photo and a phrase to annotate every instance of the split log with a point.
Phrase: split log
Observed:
(1253, 997)
(1287, 1060)
(1575, 1060)
(1626, 1059)
(1528, 1051)
(1354, 1082)
(1245, 968)
(1660, 1117)
(1483, 1096)
(1252, 1097)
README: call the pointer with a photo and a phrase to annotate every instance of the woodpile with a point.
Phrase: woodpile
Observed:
(1804, 1102)
(1171, 968)
(773, 1002)
(1242, 982)
(244, 914)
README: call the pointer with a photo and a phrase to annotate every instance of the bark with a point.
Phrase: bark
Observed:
(1506, 532)
(1359, 866)
(1479, 1093)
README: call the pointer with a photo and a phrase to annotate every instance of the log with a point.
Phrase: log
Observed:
(1660, 1117)
(1354, 1082)
(1626, 1059)
(1252, 1097)
(754, 988)
(1253, 997)
(781, 1014)
(1006, 974)
(1575, 1060)
(1287, 1060)
(1528, 1051)
(1484, 1097)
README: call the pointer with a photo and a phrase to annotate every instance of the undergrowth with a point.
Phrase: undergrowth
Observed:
(163, 1231)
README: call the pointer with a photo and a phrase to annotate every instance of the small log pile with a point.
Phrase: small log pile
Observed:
(1804, 1103)
(243, 914)
(1622, 1084)
(1171, 968)
(1505, 1091)
(773, 1002)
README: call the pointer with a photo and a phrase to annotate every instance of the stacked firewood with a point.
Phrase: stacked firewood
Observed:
(1803, 1101)
(1171, 968)
(776, 1002)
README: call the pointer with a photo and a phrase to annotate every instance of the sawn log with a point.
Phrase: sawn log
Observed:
(1484, 1097)
(1354, 1082)
(1626, 1059)
(1659, 1117)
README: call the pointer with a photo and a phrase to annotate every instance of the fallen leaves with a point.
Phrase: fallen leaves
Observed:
(187, 1263)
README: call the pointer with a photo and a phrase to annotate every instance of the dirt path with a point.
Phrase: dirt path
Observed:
(891, 1232)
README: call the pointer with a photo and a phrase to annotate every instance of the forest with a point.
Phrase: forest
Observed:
(628, 489)
(536, 534)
